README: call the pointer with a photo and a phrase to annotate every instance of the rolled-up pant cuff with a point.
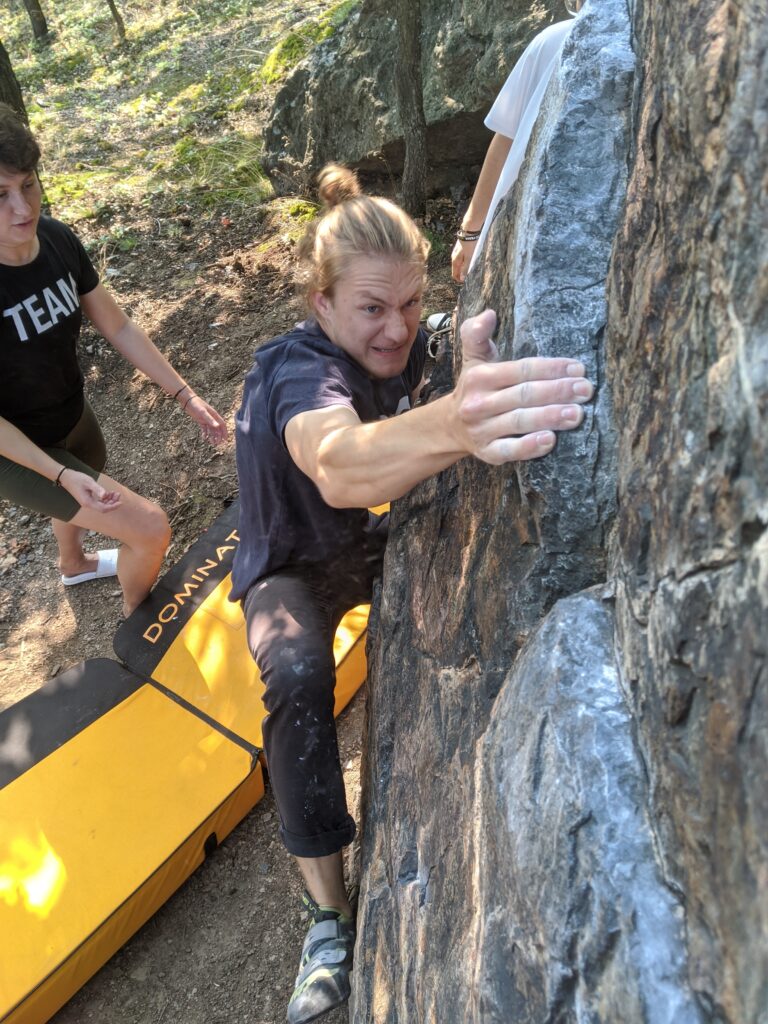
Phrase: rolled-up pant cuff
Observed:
(320, 845)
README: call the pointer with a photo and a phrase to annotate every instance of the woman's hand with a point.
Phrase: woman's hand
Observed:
(461, 257)
(509, 411)
(87, 493)
(211, 423)
(131, 342)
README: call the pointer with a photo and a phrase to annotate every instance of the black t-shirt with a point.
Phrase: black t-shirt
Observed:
(283, 518)
(42, 384)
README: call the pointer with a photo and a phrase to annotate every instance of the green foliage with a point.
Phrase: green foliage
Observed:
(439, 248)
(224, 172)
(167, 120)
(295, 46)
(120, 239)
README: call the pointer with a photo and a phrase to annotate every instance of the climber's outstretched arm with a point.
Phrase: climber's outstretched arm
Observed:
(499, 412)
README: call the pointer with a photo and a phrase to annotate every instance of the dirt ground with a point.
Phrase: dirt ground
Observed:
(209, 290)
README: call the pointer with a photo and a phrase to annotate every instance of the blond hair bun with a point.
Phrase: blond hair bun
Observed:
(337, 184)
(352, 225)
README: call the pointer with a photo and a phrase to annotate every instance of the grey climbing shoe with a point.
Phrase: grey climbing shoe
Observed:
(326, 962)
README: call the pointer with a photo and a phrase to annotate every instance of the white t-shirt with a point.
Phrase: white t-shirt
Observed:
(516, 107)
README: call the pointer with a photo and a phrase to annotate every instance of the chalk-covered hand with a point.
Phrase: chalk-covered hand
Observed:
(87, 493)
(508, 411)
(211, 423)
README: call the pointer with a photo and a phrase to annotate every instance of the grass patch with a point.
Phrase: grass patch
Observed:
(439, 248)
(168, 119)
(78, 192)
(224, 172)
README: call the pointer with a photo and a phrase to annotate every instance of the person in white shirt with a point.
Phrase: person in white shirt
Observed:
(512, 118)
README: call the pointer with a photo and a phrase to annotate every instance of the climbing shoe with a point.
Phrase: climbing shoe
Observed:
(326, 962)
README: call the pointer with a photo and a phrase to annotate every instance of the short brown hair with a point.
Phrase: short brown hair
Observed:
(19, 150)
(352, 225)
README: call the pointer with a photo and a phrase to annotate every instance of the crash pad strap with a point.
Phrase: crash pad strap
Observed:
(250, 748)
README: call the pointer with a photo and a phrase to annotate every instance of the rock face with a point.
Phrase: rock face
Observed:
(341, 103)
(613, 942)
(525, 888)
(565, 806)
(688, 358)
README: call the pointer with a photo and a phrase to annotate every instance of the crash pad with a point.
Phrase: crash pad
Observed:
(191, 639)
(111, 793)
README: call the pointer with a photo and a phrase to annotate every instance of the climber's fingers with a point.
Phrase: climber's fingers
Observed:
(504, 392)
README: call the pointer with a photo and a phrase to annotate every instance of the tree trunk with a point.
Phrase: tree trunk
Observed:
(117, 19)
(39, 24)
(10, 92)
(411, 105)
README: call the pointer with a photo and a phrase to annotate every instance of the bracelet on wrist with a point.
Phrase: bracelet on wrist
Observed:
(182, 388)
(57, 481)
(469, 236)
(191, 396)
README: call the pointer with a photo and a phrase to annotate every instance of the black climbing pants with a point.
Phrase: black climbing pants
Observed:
(292, 616)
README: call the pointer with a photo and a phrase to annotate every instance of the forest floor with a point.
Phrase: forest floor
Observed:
(209, 276)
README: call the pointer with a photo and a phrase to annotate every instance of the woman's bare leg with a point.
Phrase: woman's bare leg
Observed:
(142, 528)
(72, 559)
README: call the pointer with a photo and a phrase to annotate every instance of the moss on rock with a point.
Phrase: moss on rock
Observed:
(295, 46)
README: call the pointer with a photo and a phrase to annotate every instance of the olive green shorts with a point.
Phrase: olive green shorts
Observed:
(82, 449)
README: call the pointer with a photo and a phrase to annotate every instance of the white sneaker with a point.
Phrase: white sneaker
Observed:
(439, 322)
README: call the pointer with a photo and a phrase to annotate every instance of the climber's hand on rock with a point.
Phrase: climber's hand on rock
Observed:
(508, 411)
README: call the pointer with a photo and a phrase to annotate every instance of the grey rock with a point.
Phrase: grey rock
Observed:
(476, 559)
(537, 848)
(577, 922)
(528, 890)
(688, 353)
(552, 236)
(341, 102)
(553, 831)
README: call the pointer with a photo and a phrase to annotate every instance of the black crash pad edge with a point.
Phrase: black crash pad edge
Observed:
(145, 636)
(49, 717)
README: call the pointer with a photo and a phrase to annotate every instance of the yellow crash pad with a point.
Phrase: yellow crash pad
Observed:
(188, 637)
(110, 795)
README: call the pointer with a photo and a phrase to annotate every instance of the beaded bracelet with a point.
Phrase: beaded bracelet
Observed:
(469, 236)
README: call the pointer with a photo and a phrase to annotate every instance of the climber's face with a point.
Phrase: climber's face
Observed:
(373, 313)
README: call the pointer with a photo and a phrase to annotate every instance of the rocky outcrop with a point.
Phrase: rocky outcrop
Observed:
(688, 359)
(341, 103)
(524, 886)
(564, 794)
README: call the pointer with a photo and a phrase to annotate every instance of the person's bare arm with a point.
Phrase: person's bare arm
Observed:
(499, 412)
(134, 344)
(477, 211)
(87, 493)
